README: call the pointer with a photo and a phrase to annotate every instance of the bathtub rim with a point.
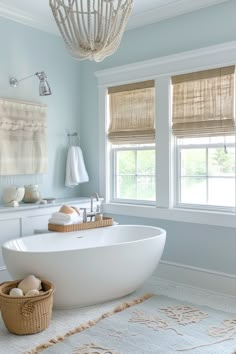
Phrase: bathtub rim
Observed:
(6, 248)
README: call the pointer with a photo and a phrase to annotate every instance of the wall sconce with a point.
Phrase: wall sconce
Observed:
(44, 88)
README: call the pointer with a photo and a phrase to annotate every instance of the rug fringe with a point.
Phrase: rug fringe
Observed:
(89, 324)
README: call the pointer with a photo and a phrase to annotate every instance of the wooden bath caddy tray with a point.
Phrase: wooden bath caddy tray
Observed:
(106, 221)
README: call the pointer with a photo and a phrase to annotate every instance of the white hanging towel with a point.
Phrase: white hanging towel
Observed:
(75, 168)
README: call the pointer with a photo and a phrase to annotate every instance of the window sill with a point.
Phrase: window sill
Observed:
(173, 214)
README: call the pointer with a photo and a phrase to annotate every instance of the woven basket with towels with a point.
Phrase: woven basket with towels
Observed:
(26, 315)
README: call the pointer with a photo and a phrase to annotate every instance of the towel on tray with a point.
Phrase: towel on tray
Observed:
(59, 218)
(75, 168)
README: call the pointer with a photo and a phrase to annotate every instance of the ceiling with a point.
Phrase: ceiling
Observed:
(37, 13)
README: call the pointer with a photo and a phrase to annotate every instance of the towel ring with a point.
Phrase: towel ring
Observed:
(71, 136)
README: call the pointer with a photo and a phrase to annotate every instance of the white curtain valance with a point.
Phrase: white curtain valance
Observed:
(23, 138)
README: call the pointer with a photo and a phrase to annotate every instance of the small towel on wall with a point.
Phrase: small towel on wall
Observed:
(75, 168)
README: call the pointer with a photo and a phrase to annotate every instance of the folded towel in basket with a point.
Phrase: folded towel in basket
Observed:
(65, 219)
(63, 222)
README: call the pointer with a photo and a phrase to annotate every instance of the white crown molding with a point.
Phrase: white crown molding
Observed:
(201, 58)
(17, 15)
(179, 7)
(25, 18)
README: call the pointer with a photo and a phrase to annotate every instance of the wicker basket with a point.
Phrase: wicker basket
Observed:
(26, 315)
(106, 221)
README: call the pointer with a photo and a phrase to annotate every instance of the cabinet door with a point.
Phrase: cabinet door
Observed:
(35, 224)
(9, 229)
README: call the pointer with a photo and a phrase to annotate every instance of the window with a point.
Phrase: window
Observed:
(132, 137)
(206, 172)
(203, 125)
(134, 172)
(192, 156)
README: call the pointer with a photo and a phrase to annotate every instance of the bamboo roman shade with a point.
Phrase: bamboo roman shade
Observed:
(203, 103)
(132, 113)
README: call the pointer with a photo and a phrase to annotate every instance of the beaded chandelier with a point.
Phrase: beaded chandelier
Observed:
(91, 29)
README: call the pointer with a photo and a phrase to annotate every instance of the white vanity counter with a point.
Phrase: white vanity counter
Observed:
(31, 206)
(29, 219)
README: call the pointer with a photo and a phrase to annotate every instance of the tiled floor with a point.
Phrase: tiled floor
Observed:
(64, 320)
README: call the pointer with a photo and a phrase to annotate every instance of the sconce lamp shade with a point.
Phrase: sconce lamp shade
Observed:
(44, 88)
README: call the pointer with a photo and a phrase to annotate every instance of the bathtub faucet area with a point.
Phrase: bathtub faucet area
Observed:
(92, 213)
(94, 195)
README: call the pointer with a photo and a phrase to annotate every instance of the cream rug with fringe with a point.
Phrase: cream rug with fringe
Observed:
(150, 324)
(67, 327)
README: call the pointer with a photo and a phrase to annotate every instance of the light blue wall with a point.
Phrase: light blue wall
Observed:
(199, 29)
(74, 105)
(24, 51)
(192, 244)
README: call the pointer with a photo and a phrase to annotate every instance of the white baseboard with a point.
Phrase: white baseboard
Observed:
(197, 277)
(178, 273)
(4, 275)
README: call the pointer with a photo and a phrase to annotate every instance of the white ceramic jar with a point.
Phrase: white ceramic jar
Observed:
(12, 195)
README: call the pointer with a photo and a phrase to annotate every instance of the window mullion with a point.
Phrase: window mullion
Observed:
(163, 125)
(207, 176)
(136, 173)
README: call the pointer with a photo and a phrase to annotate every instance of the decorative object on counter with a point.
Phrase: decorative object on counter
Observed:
(76, 172)
(44, 88)
(49, 200)
(106, 221)
(26, 314)
(12, 195)
(32, 194)
(23, 138)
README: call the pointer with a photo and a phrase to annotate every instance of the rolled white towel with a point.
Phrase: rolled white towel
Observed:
(63, 216)
(59, 222)
(56, 221)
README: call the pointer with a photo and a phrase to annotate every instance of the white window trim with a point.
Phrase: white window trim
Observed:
(160, 69)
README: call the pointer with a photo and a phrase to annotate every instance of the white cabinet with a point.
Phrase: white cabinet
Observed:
(33, 225)
(30, 220)
(9, 229)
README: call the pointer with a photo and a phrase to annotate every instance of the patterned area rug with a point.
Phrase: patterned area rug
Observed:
(156, 324)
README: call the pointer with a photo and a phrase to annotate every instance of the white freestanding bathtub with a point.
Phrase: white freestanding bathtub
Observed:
(88, 267)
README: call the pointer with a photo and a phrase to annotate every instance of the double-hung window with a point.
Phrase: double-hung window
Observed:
(204, 131)
(131, 135)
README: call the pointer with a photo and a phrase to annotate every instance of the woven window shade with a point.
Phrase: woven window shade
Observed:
(132, 113)
(203, 103)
